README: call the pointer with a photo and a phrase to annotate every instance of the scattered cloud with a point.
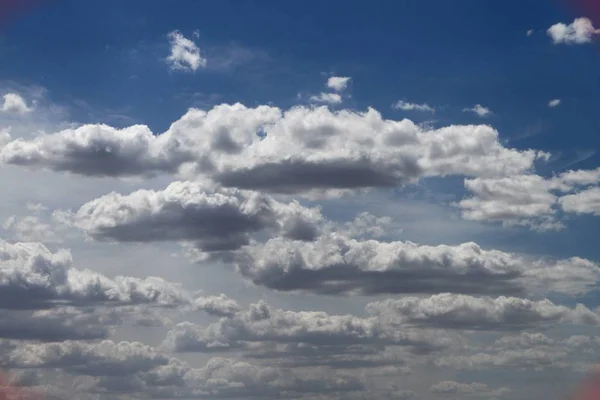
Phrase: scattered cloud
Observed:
(530, 32)
(554, 103)
(580, 31)
(331, 98)
(15, 104)
(406, 106)
(338, 83)
(479, 110)
(185, 54)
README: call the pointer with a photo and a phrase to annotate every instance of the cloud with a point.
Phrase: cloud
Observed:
(406, 106)
(584, 202)
(338, 83)
(554, 103)
(185, 54)
(335, 264)
(525, 200)
(479, 110)
(15, 104)
(474, 388)
(530, 32)
(580, 31)
(454, 311)
(213, 218)
(263, 324)
(32, 277)
(331, 98)
(301, 150)
(220, 306)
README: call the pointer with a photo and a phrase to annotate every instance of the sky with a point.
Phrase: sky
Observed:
(299, 200)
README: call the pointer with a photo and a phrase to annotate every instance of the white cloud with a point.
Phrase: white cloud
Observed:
(530, 32)
(479, 110)
(554, 103)
(584, 202)
(331, 98)
(473, 388)
(338, 83)
(406, 106)
(580, 31)
(13, 103)
(185, 54)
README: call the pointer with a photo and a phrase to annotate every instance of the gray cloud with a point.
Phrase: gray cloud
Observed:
(454, 311)
(335, 264)
(266, 148)
(215, 219)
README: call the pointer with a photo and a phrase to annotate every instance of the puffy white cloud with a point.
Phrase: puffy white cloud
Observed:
(584, 202)
(554, 103)
(331, 98)
(580, 177)
(479, 110)
(335, 264)
(185, 54)
(338, 83)
(406, 106)
(533, 358)
(14, 103)
(220, 305)
(294, 151)
(214, 218)
(454, 311)
(530, 32)
(31, 229)
(580, 31)
(515, 200)
(31, 276)
(523, 340)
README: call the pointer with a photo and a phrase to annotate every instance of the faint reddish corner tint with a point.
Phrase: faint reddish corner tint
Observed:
(10, 391)
(587, 8)
(13, 9)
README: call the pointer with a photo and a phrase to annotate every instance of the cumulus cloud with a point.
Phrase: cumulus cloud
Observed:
(31, 277)
(331, 98)
(474, 388)
(554, 103)
(584, 202)
(335, 264)
(185, 54)
(406, 106)
(338, 83)
(213, 218)
(261, 323)
(580, 31)
(15, 104)
(264, 148)
(454, 311)
(479, 110)
(221, 305)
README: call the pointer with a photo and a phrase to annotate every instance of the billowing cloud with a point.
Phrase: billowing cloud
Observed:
(262, 323)
(31, 276)
(185, 54)
(338, 83)
(580, 31)
(221, 305)
(335, 264)
(215, 219)
(584, 202)
(264, 148)
(454, 311)
(406, 106)
(15, 104)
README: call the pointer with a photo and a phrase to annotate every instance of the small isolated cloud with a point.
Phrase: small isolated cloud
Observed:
(185, 54)
(479, 110)
(406, 106)
(554, 103)
(15, 104)
(331, 98)
(338, 83)
(580, 31)
(530, 32)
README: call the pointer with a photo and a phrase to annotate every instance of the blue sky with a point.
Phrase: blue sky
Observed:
(437, 245)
